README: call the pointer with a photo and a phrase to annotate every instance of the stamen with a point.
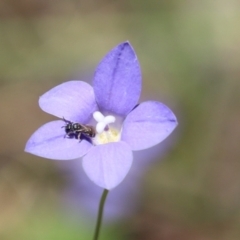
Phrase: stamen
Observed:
(112, 135)
(100, 127)
(98, 116)
(102, 122)
(105, 132)
(109, 119)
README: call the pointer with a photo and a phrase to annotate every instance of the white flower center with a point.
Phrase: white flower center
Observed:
(104, 132)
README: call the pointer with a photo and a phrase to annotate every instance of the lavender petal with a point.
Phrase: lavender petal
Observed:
(117, 80)
(147, 125)
(49, 142)
(73, 100)
(108, 164)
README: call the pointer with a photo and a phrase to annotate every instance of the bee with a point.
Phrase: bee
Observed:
(76, 130)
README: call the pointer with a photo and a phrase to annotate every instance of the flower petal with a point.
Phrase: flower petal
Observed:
(147, 125)
(117, 80)
(73, 100)
(108, 164)
(49, 142)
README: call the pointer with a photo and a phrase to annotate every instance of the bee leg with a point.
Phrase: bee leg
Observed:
(79, 137)
(66, 136)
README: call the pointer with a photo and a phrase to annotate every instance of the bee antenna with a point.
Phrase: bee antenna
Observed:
(65, 120)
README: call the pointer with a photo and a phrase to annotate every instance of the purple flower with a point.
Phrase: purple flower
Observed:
(111, 106)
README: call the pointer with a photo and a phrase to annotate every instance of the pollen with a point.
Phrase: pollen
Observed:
(111, 135)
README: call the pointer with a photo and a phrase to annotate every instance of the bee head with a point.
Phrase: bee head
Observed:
(77, 126)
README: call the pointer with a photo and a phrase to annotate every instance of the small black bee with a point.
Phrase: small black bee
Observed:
(75, 130)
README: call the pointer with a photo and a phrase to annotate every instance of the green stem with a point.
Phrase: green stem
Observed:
(100, 213)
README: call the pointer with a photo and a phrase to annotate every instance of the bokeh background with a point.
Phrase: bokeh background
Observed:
(190, 58)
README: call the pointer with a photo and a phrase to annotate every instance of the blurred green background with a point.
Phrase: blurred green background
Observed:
(190, 58)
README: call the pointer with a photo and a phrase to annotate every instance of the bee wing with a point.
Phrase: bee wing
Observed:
(84, 129)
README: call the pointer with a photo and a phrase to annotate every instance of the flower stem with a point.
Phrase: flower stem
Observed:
(100, 213)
